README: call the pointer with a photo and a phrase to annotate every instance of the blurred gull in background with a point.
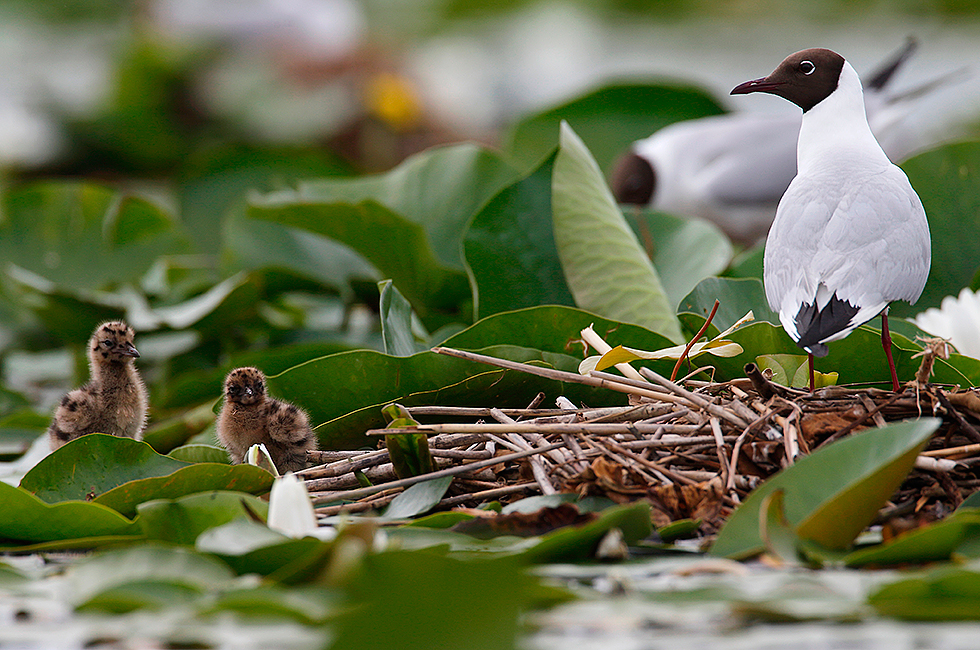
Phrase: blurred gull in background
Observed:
(732, 169)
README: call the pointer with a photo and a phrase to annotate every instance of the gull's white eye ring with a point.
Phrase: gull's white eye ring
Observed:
(807, 67)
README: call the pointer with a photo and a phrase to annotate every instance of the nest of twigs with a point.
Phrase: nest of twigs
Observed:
(693, 451)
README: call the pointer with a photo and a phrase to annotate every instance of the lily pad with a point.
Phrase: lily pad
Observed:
(833, 494)
(94, 464)
(26, 518)
(606, 268)
(182, 520)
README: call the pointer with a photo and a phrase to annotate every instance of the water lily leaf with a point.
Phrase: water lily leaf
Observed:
(418, 499)
(945, 594)
(151, 595)
(833, 494)
(307, 604)
(409, 595)
(510, 248)
(578, 543)
(83, 236)
(605, 267)
(199, 477)
(182, 520)
(735, 296)
(26, 518)
(947, 179)
(94, 464)
(933, 543)
(409, 453)
(777, 534)
(152, 562)
(409, 223)
(200, 454)
(610, 118)
(397, 322)
(684, 251)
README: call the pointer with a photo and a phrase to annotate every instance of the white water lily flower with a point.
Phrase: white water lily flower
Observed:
(957, 320)
(621, 355)
(291, 511)
(259, 456)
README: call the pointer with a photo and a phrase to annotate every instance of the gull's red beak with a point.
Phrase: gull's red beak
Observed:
(764, 85)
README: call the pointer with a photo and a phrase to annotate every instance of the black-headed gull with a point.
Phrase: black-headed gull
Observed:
(850, 234)
(731, 169)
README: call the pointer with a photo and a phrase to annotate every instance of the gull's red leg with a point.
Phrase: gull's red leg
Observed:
(809, 360)
(886, 343)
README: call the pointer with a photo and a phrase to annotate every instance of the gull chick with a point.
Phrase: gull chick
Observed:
(114, 401)
(850, 234)
(249, 416)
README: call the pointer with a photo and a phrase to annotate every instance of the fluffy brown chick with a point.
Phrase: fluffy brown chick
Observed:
(249, 416)
(114, 401)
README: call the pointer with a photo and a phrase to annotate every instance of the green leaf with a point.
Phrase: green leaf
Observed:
(933, 543)
(409, 223)
(610, 118)
(409, 453)
(200, 454)
(736, 298)
(510, 248)
(200, 477)
(945, 594)
(156, 563)
(308, 605)
(396, 322)
(416, 599)
(94, 464)
(833, 494)
(684, 251)
(418, 499)
(27, 518)
(83, 236)
(182, 520)
(578, 543)
(151, 595)
(605, 266)
(947, 179)
(778, 536)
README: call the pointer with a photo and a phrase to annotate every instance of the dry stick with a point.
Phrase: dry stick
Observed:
(452, 471)
(614, 451)
(953, 451)
(960, 420)
(861, 420)
(534, 438)
(704, 328)
(481, 412)
(537, 467)
(720, 445)
(711, 408)
(666, 475)
(579, 464)
(559, 375)
(486, 494)
(601, 429)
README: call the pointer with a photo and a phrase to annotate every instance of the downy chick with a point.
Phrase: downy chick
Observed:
(114, 401)
(249, 416)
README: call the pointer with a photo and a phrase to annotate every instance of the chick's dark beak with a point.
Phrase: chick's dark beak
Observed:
(128, 350)
(763, 85)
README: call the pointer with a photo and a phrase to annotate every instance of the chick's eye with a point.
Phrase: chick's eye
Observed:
(108, 344)
(807, 67)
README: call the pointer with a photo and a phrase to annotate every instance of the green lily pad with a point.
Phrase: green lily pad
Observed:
(26, 518)
(182, 520)
(945, 594)
(199, 477)
(833, 494)
(510, 248)
(605, 267)
(94, 464)
(610, 118)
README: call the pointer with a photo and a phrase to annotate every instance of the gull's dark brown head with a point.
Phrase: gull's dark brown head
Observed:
(113, 342)
(805, 78)
(245, 386)
(633, 179)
